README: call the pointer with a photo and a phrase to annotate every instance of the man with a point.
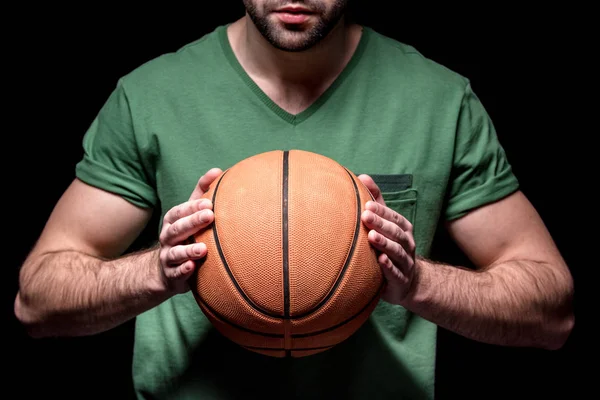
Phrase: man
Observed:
(296, 74)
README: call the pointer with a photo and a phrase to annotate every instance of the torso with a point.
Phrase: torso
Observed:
(390, 113)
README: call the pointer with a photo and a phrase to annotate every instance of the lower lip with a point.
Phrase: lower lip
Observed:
(289, 18)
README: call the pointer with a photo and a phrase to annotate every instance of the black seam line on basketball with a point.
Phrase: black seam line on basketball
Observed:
(285, 236)
(282, 349)
(370, 194)
(346, 321)
(226, 321)
(226, 265)
(348, 257)
(299, 335)
(191, 239)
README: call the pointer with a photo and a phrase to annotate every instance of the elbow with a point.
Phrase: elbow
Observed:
(561, 321)
(560, 332)
(29, 307)
(28, 317)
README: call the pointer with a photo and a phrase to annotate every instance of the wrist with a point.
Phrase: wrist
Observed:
(157, 281)
(418, 284)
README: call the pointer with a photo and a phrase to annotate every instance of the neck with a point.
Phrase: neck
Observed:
(312, 66)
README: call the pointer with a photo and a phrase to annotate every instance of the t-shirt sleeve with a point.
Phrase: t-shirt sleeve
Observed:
(481, 172)
(112, 160)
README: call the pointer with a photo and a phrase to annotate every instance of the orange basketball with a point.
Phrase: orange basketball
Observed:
(289, 269)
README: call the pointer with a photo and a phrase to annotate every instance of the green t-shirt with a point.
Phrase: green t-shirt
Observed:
(414, 125)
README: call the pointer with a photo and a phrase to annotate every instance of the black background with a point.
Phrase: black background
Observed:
(63, 63)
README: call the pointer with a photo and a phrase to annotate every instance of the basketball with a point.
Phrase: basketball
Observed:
(289, 269)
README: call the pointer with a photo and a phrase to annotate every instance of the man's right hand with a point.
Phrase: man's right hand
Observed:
(178, 256)
(77, 279)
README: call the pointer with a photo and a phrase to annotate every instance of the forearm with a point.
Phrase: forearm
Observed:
(507, 304)
(68, 293)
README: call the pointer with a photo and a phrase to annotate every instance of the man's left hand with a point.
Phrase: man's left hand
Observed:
(392, 235)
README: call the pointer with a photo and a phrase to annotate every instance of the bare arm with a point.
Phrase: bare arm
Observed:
(71, 283)
(519, 295)
(75, 281)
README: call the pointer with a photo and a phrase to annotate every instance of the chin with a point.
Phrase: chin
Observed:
(294, 40)
(293, 46)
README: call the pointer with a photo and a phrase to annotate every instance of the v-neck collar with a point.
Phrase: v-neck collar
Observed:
(293, 119)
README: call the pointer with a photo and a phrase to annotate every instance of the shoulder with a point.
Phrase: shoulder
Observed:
(174, 69)
(403, 63)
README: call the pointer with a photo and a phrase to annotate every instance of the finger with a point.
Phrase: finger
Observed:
(180, 230)
(180, 254)
(390, 230)
(390, 215)
(372, 186)
(204, 183)
(392, 274)
(186, 209)
(393, 250)
(183, 271)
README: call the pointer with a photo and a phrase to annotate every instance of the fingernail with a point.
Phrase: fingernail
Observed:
(201, 204)
(203, 216)
(376, 237)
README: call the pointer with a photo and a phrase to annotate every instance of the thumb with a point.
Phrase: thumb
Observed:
(204, 183)
(372, 186)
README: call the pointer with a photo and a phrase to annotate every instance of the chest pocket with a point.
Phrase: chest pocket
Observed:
(399, 195)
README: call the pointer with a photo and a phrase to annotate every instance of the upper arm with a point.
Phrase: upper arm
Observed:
(486, 214)
(92, 221)
(508, 229)
(111, 200)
